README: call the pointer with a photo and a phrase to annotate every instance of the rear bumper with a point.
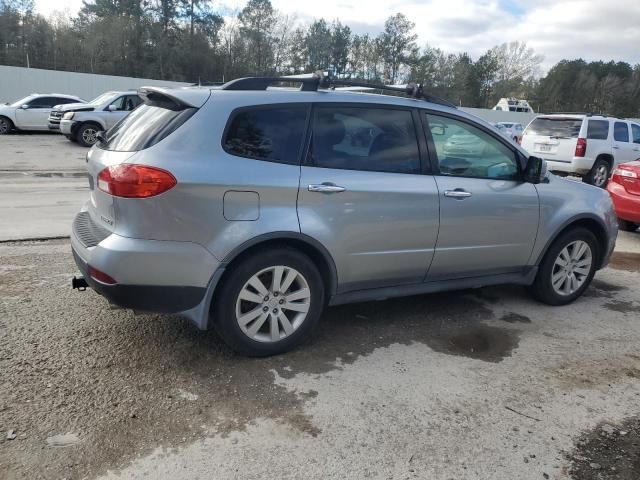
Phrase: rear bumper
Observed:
(575, 165)
(626, 205)
(151, 275)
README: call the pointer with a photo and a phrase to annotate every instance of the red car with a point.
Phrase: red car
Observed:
(624, 188)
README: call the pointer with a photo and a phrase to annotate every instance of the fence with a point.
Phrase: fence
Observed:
(18, 82)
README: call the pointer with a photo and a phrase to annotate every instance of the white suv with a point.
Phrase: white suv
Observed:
(586, 145)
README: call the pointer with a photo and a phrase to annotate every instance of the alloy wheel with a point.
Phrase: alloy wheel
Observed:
(273, 304)
(89, 136)
(571, 268)
(600, 176)
(4, 126)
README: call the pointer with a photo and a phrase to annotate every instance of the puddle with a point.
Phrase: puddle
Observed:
(58, 174)
(609, 451)
(512, 317)
(600, 288)
(622, 307)
(625, 261)
(486, 343)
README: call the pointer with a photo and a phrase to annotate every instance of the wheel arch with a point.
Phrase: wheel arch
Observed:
(592, 223)
(12, 124)
(606, 157)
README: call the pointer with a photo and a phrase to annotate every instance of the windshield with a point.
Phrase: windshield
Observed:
(100, 99)
(22, 101)
(144, 127)
(555, 127)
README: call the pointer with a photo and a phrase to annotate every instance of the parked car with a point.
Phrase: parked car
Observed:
(82, 123)
(511, 104)
(249, 209)
(512, 130)
(32, 112)
(624, 188)
(585, 145)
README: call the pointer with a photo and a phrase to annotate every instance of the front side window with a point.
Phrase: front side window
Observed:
(118, 103)
(598, 130)
(467, 151)
(43, 102)
(267, 133)
(366, 139)
(620, 132)
(635, 133)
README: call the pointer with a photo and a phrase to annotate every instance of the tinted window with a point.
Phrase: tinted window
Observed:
(272, 133)
(44, 102)
(144, 127)
(598, 129)
(555, 127)
(620, 132)
(635, 133)
(466, 151)
(64, 101)
(368, 139)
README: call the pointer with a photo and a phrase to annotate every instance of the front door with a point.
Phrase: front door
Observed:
(488, 216)
(363, 196)
(36, 115)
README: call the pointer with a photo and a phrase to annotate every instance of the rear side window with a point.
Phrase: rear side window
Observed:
(366, 139)
(635, 133)
(144, 127)
(267, 133)
(555, 127)
(620, 132)
(598, 130)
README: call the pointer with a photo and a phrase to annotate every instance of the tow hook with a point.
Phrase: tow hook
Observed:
(79, 283)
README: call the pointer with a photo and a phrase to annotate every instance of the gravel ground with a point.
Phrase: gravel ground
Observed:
(464, 385)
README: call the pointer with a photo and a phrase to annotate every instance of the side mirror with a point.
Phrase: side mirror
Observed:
(536, 170)
(101, 136)
(24, 106)
(112, 108)
(437, 130)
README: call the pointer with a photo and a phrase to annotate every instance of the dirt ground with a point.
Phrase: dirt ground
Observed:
(464, 385)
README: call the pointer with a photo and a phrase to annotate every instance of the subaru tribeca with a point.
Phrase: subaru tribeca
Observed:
(249, 208)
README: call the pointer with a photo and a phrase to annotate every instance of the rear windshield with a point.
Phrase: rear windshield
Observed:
(144, 127)
(555, 127)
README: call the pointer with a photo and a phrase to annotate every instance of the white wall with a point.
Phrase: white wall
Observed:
(494, 116)
(18, 82)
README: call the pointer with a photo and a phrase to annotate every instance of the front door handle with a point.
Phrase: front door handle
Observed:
(616, 147)
(326, 188)
(458, 193)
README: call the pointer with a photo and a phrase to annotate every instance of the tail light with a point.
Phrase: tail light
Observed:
(135, 181)
(100, 276)
(620, 173)
(581, 147)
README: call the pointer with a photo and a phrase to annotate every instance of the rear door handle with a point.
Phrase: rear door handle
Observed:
(326, 188)
(458, 193)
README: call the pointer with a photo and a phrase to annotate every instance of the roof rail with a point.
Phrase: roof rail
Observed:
(320, 80)
(588, 114)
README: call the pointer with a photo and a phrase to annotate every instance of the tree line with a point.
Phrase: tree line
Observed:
(194, 41)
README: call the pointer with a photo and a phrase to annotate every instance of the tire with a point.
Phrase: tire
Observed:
(599, 174)
(543, 287)
(86, 134)
(627, 226)
(6, 125)
(262, 309)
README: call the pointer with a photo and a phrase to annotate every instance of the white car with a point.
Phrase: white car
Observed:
(32, 112)
(585, 145)
(511, 130)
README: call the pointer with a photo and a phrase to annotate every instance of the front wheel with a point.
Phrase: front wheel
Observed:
(87, 134)
(567, 268)
(5, 125)
(627, 226)
(599, 174)
(269, 303)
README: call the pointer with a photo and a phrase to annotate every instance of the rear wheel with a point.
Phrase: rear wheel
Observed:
(567, 268)
(599, 174)
(5, 125)
(269, 303)
(628, 226)
(87, 134)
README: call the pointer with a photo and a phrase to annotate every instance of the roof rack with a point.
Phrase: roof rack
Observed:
(320, 80)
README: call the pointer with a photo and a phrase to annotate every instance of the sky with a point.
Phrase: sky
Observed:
(557, 29)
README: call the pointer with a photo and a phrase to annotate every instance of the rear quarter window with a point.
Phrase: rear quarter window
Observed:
(598, 130)
(555, 127)
(272, 133)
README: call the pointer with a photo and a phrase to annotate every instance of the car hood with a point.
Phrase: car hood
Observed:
(73, 107)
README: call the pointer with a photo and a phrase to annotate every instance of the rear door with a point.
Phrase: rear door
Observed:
(553, 138)
(364, 196)
(623, 149)
(488, 215)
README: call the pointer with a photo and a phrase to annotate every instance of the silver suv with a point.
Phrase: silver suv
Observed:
(82, 122)
(249, 208)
